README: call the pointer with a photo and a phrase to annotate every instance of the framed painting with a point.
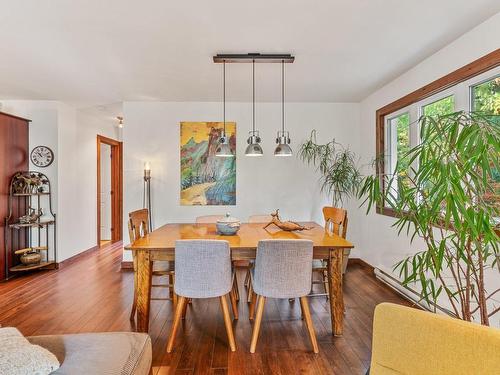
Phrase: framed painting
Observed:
(206, 179)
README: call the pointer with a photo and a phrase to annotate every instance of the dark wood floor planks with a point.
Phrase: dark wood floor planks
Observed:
(92, 294)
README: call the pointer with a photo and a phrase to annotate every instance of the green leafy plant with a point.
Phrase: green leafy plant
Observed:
(446, 199)
(340, 176)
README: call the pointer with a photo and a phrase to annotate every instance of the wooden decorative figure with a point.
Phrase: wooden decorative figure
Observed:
(285, 225)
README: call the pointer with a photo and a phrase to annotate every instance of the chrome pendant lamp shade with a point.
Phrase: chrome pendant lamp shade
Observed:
(223, 148)
(283, 138)
(253, 148)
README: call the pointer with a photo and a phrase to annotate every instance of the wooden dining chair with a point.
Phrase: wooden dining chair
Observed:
(335, 222)
(203, 269)
(283, 270)
(138, 225)
(235, 294)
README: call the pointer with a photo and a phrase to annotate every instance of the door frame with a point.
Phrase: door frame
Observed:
(116, 188)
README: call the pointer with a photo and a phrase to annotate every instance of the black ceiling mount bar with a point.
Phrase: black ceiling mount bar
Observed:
(251, 57)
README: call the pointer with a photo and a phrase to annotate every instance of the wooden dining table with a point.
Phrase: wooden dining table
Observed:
(159, 245)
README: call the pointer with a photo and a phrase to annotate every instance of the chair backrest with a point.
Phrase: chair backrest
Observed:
(283, 268)
(412, 341)
(138, 224)
(209, 219)
(335, 220)
(202, 268)
(260, 218)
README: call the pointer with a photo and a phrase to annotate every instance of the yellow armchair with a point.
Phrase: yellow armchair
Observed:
(414, 342)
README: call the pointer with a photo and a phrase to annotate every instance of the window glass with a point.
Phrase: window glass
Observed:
(440, 107)
(398, 146)
(485, 98)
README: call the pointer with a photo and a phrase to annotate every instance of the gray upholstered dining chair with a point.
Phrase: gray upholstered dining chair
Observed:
(283, 269)
(203, 270)
(235, 294)
(263, 219)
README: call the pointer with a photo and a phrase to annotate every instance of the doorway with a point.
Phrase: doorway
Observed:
(109, 190)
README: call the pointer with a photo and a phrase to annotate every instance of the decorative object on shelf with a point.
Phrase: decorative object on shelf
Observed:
(442, 202)
(285, 225)
(224, 148)
(228, 226)
(32, 216)
(31, 258)
(42, 156)
(29, 183)
(283, 139)
(340, 175)
(146, 197)
(206, 180)
(30, 243)
(253, 148)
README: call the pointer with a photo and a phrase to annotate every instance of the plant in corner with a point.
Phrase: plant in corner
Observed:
(449, 198)
(340, 176)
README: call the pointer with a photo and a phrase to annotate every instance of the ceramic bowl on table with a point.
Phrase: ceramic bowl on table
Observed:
(228, 225)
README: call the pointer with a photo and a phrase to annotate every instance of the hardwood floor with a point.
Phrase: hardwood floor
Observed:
(92, 294)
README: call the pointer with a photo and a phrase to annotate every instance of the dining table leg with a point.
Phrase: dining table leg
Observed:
(144, 273)
(335, 291)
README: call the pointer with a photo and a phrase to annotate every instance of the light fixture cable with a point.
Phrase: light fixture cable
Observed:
(283, 95)
(253, 97)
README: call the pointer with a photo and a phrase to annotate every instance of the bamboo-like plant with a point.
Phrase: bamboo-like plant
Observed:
(449, 199)
(340, 176)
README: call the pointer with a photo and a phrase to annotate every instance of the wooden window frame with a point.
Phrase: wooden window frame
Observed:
(479, 66)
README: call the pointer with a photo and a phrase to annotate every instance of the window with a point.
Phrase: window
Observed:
(485, 97)
(398, 144)
(440, 107)
(475, 87)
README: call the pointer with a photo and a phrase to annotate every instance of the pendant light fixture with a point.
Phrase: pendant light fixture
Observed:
(224, 149)
(253, 148)
(283, 139)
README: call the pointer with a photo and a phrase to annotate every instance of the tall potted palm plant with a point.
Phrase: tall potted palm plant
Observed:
(449, 198)
(339, 173)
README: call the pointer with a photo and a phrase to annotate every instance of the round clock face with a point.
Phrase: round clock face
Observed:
(42, 156)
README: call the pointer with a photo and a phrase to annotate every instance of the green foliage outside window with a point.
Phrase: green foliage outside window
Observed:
(486, 98)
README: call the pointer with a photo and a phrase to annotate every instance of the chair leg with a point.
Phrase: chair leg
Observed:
(170, 289)
(250, 291)
(134, 302)
(247, 278)
(236, 288)
(184, 307)
(234, 304)
(310, 327)
(174, 296)
(256, 326)
(251, 308)
(175, 324)
(228, 323)
(325, 282)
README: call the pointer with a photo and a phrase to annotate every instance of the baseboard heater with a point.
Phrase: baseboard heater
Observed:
(408, 292)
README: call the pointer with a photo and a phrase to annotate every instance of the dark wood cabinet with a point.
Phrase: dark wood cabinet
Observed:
(14, 144)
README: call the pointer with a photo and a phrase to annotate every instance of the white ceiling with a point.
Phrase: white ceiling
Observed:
(105, 51)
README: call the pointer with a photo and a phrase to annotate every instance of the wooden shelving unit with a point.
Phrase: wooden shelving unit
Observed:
(32, 191)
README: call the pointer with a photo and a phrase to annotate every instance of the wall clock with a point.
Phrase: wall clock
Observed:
(42, 156)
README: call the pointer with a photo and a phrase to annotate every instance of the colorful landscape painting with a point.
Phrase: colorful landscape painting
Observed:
(207, 180)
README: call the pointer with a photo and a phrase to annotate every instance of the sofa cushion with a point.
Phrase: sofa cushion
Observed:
(19, 357)
(117, 353)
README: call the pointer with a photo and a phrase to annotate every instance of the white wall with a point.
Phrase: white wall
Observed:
(71, 134)
(151, 133)
(378, 243)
